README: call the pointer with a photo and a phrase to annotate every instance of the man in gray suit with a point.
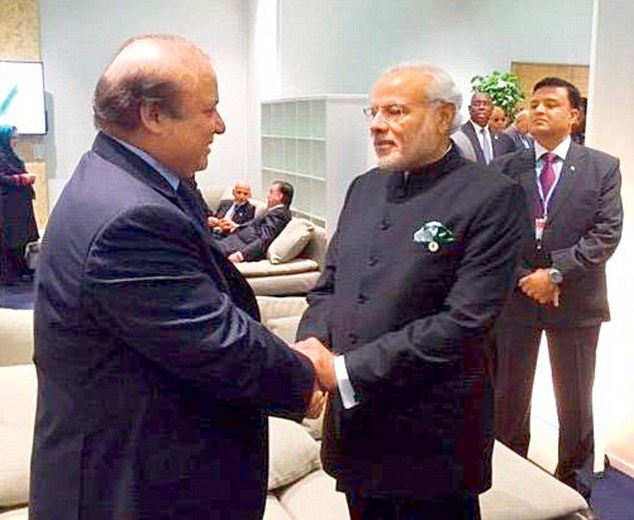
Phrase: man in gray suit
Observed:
(576, 216)
(474, 138)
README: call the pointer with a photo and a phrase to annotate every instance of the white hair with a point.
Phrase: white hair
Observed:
(442, 86)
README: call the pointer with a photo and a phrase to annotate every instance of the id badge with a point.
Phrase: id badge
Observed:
(540, 224)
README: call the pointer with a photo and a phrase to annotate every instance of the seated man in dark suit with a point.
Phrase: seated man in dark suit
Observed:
(231, 213)
(250, 241)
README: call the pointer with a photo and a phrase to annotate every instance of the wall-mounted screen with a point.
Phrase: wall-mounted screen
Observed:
(22, 96)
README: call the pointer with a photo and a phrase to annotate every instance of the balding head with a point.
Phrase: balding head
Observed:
(160, 94)
(154, 69)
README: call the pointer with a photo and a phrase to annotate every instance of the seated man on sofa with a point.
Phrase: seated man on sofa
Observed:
(250, 241)
(231, 213)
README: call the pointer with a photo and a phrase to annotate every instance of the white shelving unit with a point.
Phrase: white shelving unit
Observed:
(318, 144)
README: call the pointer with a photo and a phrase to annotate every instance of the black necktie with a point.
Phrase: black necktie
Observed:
(190, 204)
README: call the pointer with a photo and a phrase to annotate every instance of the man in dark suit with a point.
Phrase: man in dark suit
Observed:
(231, 213)
(518, 131)
(154, 374)
(574, 203)
(250, 241)
(485, 144)
(416, 273)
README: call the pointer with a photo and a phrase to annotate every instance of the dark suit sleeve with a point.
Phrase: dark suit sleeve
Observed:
(598, 243)
(145, 280)
(271, 225)
(482, 281)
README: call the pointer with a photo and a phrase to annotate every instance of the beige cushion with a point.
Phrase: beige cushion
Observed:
(315, 498)
(272, 307)
(16, 337)
(523, 491)
(16, 514)
(18, 390)
(285, 328)
(273, 510)
(291, 241)
(266, 268)
(293, 453)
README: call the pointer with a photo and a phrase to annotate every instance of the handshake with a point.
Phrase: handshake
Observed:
(323, 361)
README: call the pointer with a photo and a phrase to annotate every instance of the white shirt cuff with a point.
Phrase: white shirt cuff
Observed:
(343, 382)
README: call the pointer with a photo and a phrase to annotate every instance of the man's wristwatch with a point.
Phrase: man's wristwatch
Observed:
(555, 275)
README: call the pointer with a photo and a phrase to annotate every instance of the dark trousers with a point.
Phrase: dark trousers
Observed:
(572, 353)
(379, 508)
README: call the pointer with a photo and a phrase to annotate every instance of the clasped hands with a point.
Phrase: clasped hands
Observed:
(540, 287)
(223, 224)
(25, 179)
(323, 362)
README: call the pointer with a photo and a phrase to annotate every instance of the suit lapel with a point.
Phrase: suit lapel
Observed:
(569, 171)
(469, 131)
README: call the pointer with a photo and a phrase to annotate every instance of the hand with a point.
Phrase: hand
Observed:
(212, 222)
(323, 361)
(30, 178)
(236, 257)
(540, 288)
(226, 225)
(316, 403)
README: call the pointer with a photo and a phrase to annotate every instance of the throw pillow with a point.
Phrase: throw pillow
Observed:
(293, 453)
(291, 241)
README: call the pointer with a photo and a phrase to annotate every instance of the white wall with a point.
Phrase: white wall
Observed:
(611, 128)
(80, 36)
(342, 46)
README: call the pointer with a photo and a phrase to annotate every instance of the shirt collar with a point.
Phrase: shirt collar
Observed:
(170, 177)
(477, 127)
(561, 150)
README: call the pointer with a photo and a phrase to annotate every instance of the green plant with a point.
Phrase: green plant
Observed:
(504, 89)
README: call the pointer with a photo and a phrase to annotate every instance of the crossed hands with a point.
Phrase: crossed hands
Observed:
(540, 288)
(325, 379)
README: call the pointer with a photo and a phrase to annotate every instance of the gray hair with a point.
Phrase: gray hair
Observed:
(442, 87)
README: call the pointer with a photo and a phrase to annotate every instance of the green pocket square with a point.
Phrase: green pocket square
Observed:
(434, 234)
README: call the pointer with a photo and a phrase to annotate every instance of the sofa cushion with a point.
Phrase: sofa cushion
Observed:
(291, 241)
(266, 268)
(17, 416)
(293, 453)
(17, 336)
(314, 498)
(285, 328)
(17, 514)
(523, 491)
(273, 510)
(272, 307)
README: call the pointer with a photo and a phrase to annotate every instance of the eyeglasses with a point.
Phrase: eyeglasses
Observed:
(392, 113)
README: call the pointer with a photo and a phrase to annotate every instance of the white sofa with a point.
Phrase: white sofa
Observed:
(298, 487)
(294, 259)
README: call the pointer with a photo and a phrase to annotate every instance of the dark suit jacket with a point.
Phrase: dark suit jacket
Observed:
(414, 325)
(521, 142)
(253, 238)
(242, 215)
(583, 229)
(500, 143)
(154, 373)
